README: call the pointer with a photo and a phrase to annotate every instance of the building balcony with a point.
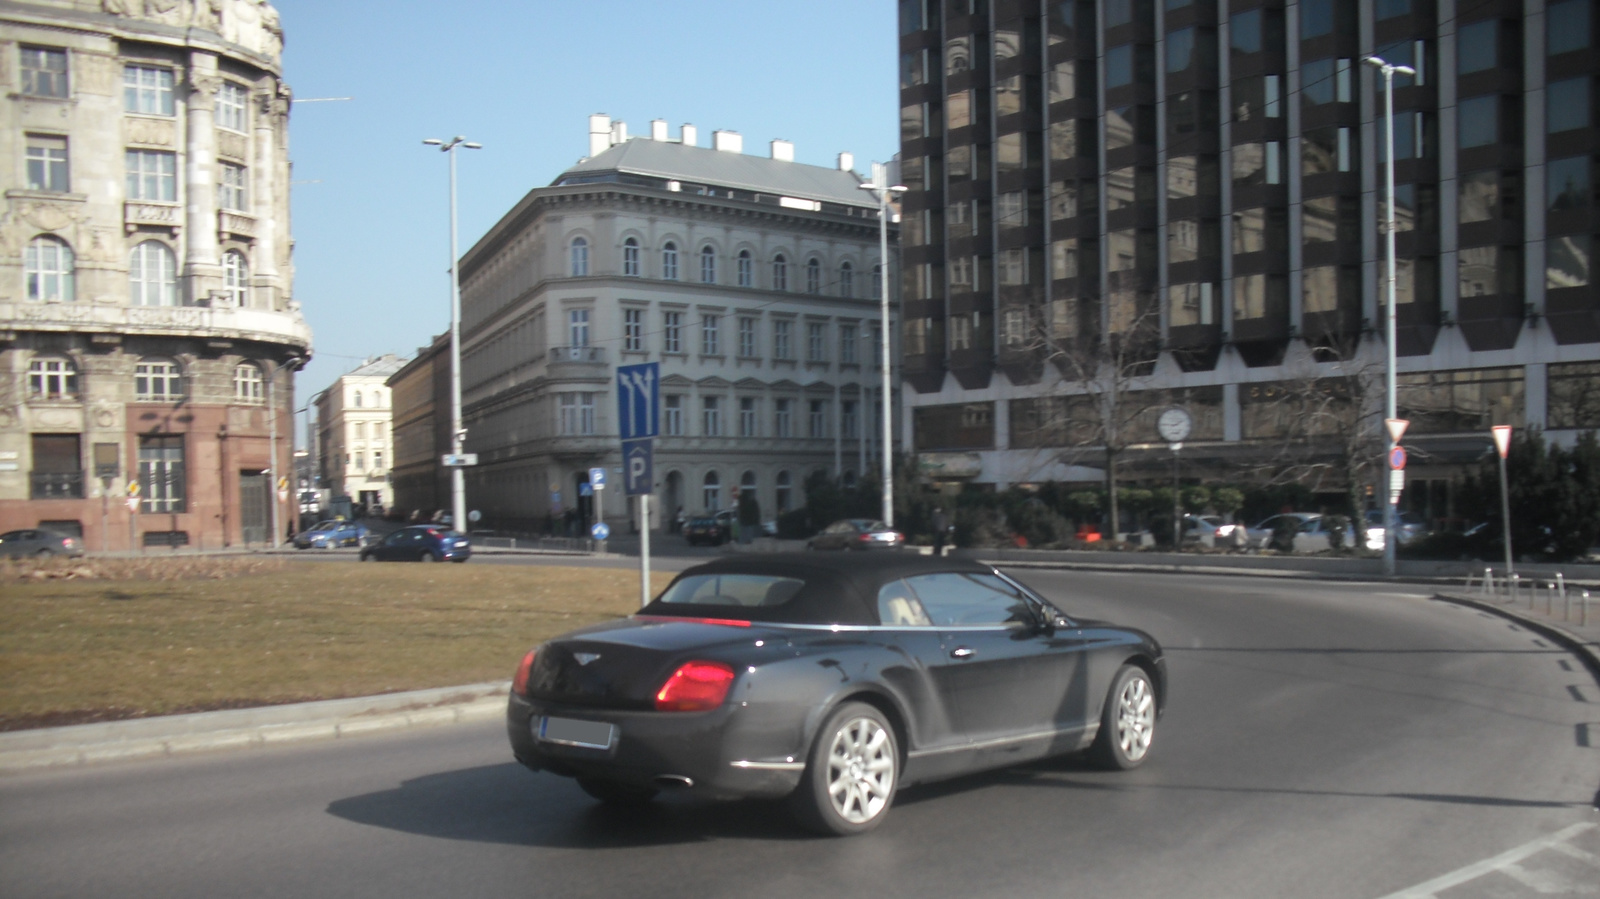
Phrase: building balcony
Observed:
(151, 212)
(577, 362)
(55, 485)
(237, 224)
(181, 321)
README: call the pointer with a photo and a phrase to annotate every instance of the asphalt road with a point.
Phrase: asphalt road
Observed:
(1323, 740)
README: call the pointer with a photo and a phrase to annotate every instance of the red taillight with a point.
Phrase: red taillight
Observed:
(432, 532)
(519, 684)
(695, 687)
(865, 538)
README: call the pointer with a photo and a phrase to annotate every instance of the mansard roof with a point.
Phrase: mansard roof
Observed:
(673, 161)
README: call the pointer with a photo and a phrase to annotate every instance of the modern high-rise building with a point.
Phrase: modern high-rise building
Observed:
(1184, 197)
(148, 331)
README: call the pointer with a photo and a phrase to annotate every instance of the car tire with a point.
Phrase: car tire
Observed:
(44, 553)
(1127, 723)
(850, 779)
(427, 557)
(366, 557)
(619, 794)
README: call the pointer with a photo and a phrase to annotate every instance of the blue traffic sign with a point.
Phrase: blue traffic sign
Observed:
(639, 400)
(585, 490)
(1397, 458)
(600, 531)
(638, 463)
(597, 478)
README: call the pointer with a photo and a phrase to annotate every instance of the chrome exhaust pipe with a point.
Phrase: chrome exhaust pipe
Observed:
(673, 782)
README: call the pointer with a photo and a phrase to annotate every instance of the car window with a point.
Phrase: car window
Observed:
(898, 607)
(733, 590)
(395, 539)
(969, 599)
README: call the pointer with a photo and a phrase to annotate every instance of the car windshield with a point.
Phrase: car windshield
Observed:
(732, 590)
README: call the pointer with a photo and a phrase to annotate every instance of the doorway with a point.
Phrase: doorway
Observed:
(255, 507)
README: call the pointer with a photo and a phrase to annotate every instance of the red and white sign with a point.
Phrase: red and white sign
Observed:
(1397, 428)
(1397, 458)
(1502, 439)
(133, 504)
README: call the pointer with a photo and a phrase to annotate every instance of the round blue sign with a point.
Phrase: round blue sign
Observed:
(1397, 458)
(600, 531)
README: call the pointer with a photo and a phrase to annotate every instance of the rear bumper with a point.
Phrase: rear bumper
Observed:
(701, 746)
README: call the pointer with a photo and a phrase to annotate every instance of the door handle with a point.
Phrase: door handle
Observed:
(960, 652)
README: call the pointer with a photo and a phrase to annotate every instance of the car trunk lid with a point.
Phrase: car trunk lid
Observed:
(623, 665)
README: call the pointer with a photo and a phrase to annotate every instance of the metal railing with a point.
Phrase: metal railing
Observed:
(55, 485)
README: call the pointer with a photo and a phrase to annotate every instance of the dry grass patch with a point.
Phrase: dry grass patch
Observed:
(87, 648)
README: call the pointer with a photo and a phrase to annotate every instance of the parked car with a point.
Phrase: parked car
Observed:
(1310, 533)
(39, 542)
(711, 530)
(329, 534)
(1206, 530)
(857, 533)
(1412, 526)
(831, 681)
(420, 543)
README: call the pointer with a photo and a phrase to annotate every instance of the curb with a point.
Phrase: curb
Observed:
(1587, 651)
(141, 738)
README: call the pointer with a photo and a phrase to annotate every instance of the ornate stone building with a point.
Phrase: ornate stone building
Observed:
(752, 280)
(148, 332)
(355, 446)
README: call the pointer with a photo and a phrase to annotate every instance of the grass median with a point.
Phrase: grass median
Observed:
(98, 641)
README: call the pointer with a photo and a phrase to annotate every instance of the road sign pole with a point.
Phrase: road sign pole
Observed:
(644, 550)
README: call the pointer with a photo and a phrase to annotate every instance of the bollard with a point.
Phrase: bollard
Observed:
(1549, 596)
(1561, 585)
(1488, 582)
(1513, 587)
(1584, 615)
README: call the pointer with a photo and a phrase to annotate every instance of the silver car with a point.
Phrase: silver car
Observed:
(39, 543)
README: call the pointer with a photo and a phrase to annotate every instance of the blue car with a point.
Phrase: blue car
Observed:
(329, 534)
(420, 543)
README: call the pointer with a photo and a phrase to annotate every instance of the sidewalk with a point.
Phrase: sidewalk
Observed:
(1566, 622)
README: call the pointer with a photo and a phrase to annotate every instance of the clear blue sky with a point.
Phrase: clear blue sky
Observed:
(371, 220)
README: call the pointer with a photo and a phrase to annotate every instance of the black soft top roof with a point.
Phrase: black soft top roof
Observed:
(839, 589)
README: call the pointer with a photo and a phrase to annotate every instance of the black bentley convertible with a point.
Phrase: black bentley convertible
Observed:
(833, 681)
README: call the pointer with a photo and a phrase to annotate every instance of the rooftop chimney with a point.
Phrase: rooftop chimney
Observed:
(847, 161)
(730, 141)
(783, 150)
(658, 129)
(691, 137)
(599, 133)
(619, 132)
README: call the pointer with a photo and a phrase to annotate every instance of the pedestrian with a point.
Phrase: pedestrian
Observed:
(941, 527)
(1240, 537)
(679, 520)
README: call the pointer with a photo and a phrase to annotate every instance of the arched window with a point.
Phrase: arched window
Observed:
(780, 273)
(747, 269)
(785, 492)
(152, 275)
(359, 401)
(630, 258)
(877, 282)
(580, 258)
(669, 261)
(847, 280)
(236, 278)
(48, 263)
(52, 378)
(247, 383)
(813, 275)
(708, 265)
(713, 491)
(157, 380)
(747, 484)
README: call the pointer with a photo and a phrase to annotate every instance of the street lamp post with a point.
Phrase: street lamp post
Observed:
(1389, 517)
(458, 435)
(880, 188)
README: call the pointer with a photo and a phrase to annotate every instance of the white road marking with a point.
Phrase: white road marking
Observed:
(1505, 862)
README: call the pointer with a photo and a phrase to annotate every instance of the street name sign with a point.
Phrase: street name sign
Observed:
(460, 460)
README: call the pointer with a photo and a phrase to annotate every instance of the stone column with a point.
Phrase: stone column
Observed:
(202, 267)
(272, 111)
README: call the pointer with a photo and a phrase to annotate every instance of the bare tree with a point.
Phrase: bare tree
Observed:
(1325, 422)
(1109, 406)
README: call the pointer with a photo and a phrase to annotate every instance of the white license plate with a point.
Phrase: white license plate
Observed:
(573, 732)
